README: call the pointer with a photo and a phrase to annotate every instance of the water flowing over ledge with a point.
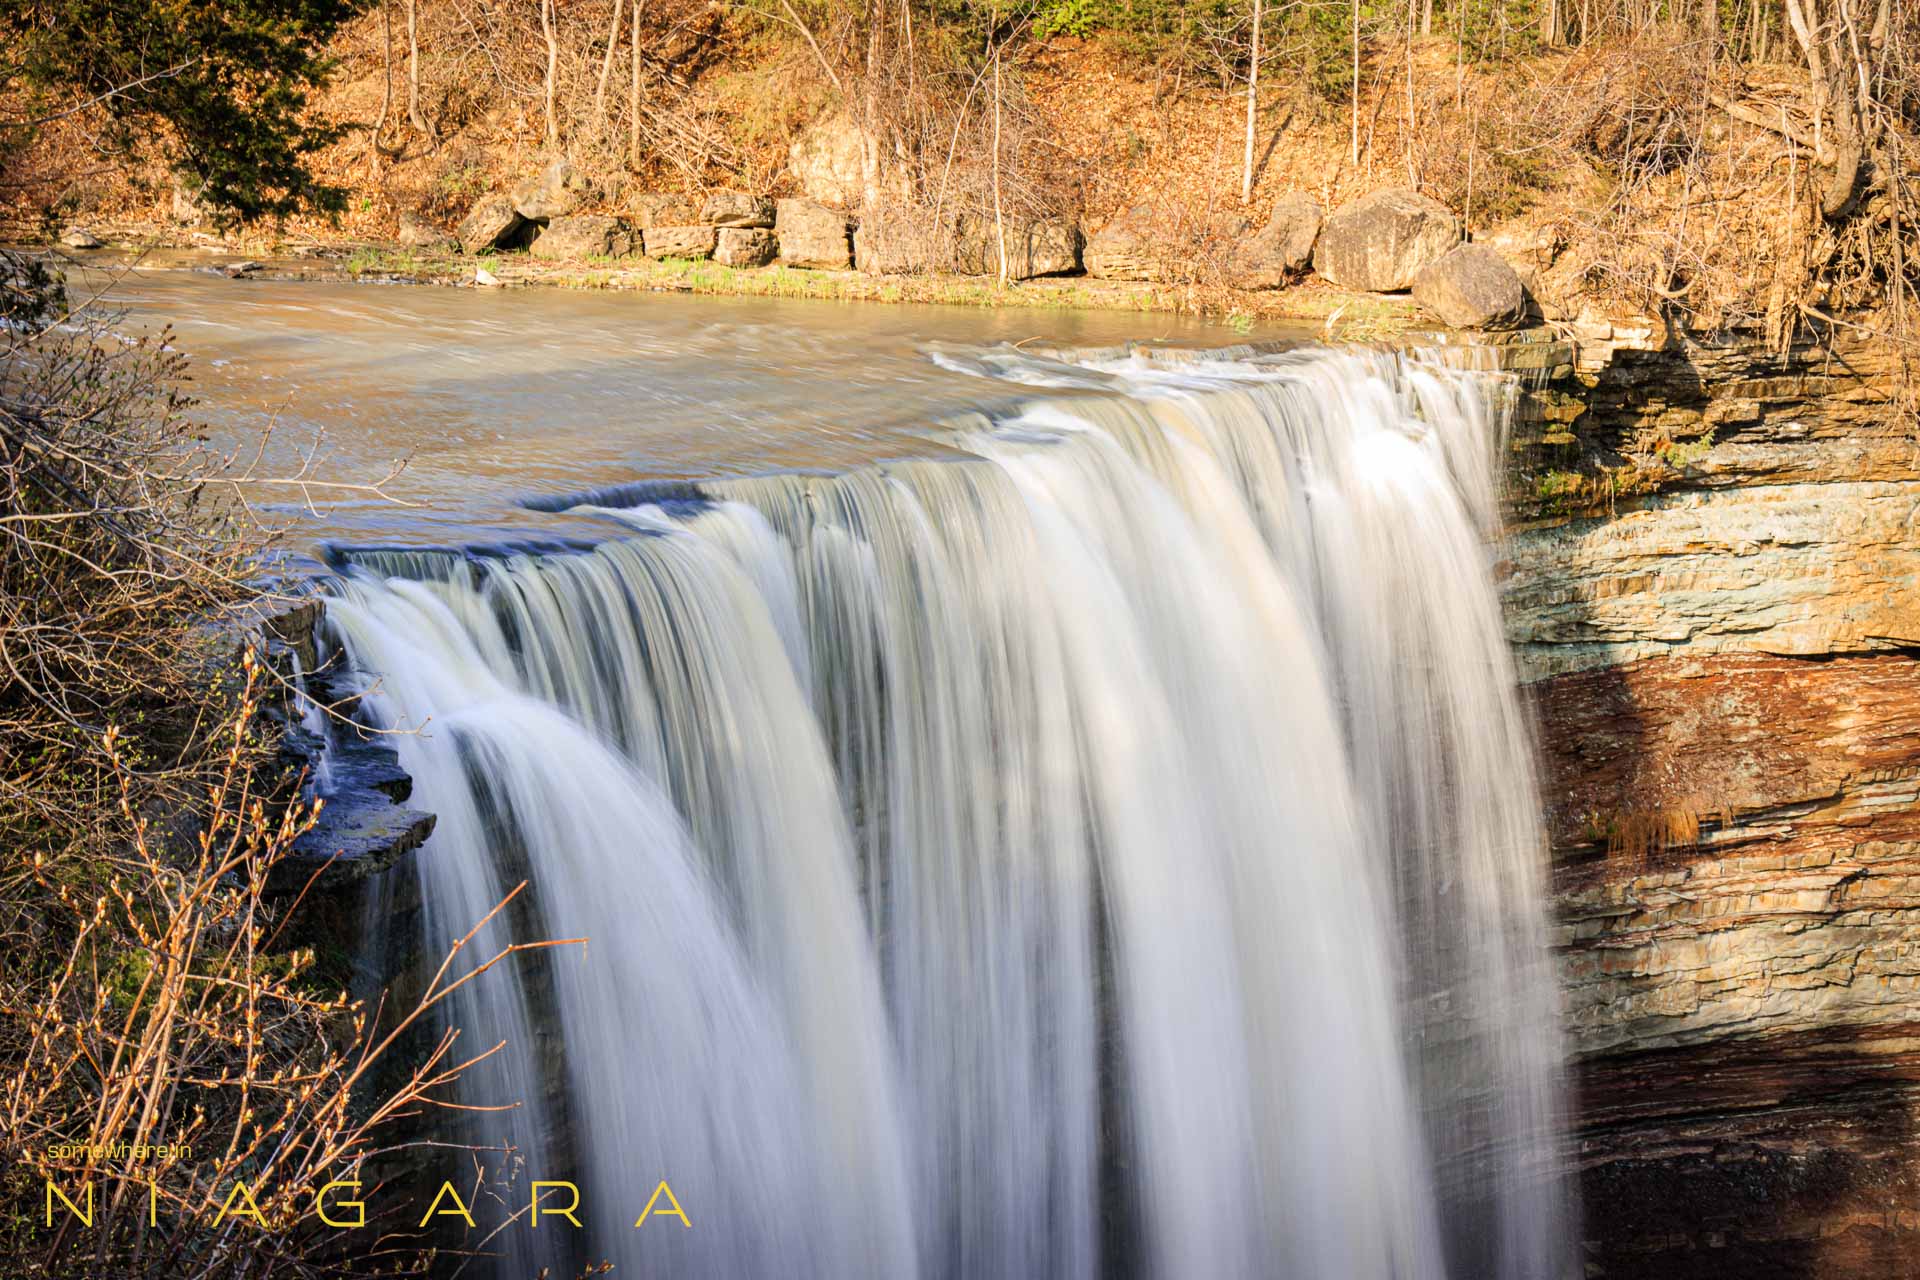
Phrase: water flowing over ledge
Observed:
(1116, 852)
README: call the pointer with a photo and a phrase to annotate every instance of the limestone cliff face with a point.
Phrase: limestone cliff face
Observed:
(1724, 678)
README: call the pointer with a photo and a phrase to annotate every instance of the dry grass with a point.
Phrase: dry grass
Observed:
(1639, 838)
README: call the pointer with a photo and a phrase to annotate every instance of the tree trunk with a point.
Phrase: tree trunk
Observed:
(386, 89)
(633, 93)
(553, 71)
(1253, 101)
(415, 116)
(1356, 83)
(999, 215)
(1830, 46)
(606, 70)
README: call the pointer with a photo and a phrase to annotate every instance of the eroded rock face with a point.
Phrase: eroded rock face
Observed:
(679, 242)
(652, 209)
(1472, 287)
(417, 234)
(889, 242)
(1130, 247)
(736, 209)
(1793, 568)
(1742, 1000)
(554, 192)
(492, 222)
(1381, 241)
(1048, 247)
(744, 247)
(1282, 250)
(1729, 716)
(590, 235)
(812, 235)
(828, 160)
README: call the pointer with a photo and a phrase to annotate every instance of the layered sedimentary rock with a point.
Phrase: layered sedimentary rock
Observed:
(1723, 670)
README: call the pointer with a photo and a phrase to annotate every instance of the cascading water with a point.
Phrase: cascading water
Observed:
(1112, 853)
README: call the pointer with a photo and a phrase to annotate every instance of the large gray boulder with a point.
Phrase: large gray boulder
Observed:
(812, 235)
(584, 235)
(736, 209)
(679, 242)
(1380, 242)
(1046, 247)
(492, 222)
(661, 209)
(1472, 287)
(744, 247)
(1279, 252)
(554, 192)
(1130, 247)
(79, 238)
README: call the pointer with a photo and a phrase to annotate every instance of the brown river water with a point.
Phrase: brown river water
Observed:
(491, 397)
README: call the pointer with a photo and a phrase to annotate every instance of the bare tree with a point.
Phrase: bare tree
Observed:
(1253, 99)
(1840, 62)
(606, 69)
(633, 93)
(415, 115)
(553, 69)
(999, 212)
(1355, 145)
(386, 88)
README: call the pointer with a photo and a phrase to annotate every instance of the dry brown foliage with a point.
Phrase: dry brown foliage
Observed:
(150, 997)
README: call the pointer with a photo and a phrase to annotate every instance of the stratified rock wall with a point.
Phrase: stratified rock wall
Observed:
(1724, 677)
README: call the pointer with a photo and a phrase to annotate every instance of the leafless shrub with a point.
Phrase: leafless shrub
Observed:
(149, 1000)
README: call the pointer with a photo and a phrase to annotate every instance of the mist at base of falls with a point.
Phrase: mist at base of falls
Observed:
(1113, 853)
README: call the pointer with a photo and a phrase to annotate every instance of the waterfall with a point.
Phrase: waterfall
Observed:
(1111, 851)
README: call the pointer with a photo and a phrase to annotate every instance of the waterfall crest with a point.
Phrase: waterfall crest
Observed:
(1113, 852)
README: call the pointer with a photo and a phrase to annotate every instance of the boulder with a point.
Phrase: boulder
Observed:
(79, 238)
(736, 209)
(1047, 247)
(744, 247)
(584, 235)
(812, 235)
(828, 160)
(1472, 287)
(661, 209)
(415, 234)
(1381, 241)
(552, 193)
(1128, 248)
(1279, 252)
(678, 242)
(485, 278)
(492, 222)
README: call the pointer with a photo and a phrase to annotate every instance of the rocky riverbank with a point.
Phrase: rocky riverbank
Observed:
(1384, 261)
